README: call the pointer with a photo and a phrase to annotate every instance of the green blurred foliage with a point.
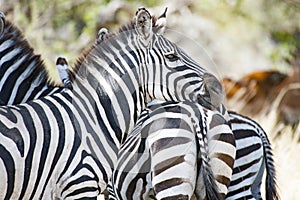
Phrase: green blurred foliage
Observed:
(68, 26)
(279, 19)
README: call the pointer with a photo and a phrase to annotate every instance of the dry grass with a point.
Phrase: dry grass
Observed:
(286, 154)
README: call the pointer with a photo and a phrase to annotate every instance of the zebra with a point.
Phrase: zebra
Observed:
(23, 75)
(63, 69)
(236, 127)
(224, 174)
(242, 121)
(80, 131)
(253, 149)
(224, 181)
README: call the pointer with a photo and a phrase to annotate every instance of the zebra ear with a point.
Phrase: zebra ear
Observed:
(2, 22)
(144, 24)
(161, 22)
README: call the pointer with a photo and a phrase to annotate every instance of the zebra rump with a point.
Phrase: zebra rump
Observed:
(254, 153)
(161, 129)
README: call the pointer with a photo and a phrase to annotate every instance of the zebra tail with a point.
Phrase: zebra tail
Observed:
(211, 188)
(206, 178)
(271, 185)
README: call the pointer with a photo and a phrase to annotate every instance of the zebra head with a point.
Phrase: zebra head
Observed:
(168, 72)
(137, 64)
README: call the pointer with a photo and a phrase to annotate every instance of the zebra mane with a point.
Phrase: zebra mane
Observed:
(12, 32)
(123, 28)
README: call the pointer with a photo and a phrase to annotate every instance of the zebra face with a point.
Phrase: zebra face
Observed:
(171, 74)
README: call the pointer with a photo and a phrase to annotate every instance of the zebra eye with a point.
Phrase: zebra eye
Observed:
(172, 57)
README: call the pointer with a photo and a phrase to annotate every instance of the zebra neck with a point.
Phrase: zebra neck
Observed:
(23, 77)
(23, 74)
(116, 99)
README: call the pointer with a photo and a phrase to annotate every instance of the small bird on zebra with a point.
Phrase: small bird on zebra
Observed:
(63, 71)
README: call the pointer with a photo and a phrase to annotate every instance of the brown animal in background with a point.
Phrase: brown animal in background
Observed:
(253, 93)
(268, 92)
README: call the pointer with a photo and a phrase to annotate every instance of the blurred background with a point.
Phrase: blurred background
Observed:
(252, 46)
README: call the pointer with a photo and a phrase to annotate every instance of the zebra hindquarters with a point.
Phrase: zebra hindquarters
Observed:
(173, 151)
(249, 164)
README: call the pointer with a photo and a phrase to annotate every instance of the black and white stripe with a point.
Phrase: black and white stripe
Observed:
(65, 145)
(23, 75)
(253, 156)
(162, 155)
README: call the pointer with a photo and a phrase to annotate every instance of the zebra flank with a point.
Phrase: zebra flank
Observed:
(65, 145)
